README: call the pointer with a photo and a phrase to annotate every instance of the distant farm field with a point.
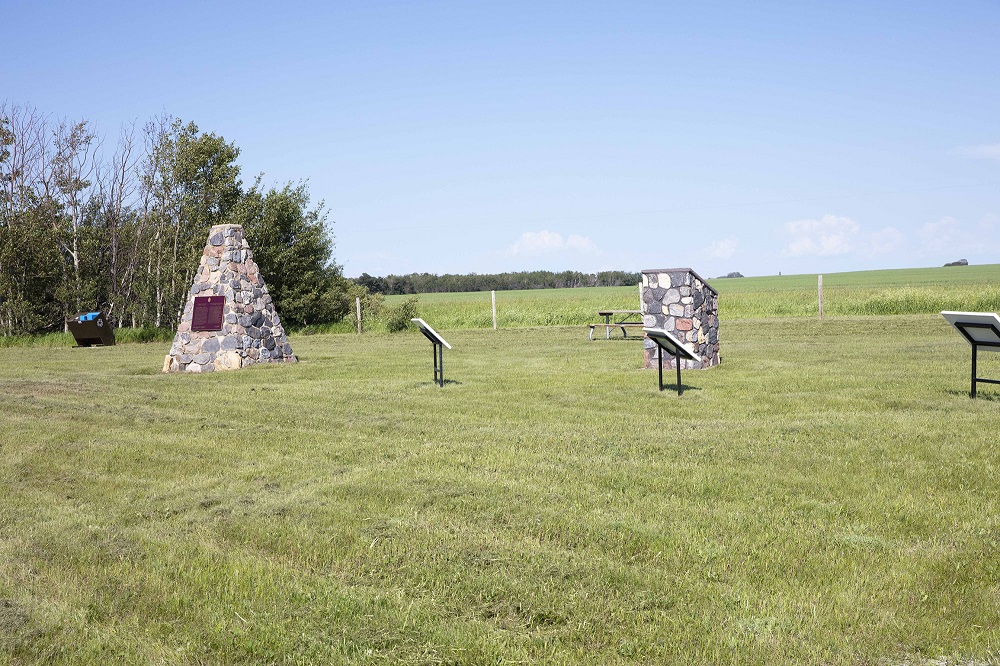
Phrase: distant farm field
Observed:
(888, 292)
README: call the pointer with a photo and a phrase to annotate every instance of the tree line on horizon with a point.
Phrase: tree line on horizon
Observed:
(429, 283)
(121, 228)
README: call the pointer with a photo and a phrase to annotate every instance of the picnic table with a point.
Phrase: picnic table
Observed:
(623, 319)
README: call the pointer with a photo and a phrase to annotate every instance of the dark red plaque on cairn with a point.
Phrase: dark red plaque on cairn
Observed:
(208, 313)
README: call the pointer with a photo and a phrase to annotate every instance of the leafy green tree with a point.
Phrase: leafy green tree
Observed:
(116, 256)
(191, 182)
(6, 241)
(294, 249)
(397, 317)
(425, 283)
(29, 262)
(125, 234)
(73, 165)
(372, 284)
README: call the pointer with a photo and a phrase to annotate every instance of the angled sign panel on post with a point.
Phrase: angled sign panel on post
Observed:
(982, 331)
(429, 332)
(438, 343)
(667, 343)
(979, 328)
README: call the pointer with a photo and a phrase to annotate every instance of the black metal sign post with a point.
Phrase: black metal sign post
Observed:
(668, 344)
(980, 329)
(677, 358)
(438, 363)
(964, 329)
(438, 343)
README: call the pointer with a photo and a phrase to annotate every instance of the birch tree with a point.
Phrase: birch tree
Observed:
(73, 166)
(191, 182)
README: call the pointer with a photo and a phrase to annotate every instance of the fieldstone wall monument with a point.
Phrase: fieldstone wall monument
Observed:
(680, 301)
(229, 321)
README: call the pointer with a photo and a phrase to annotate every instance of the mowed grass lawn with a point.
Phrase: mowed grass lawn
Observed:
(828, 495)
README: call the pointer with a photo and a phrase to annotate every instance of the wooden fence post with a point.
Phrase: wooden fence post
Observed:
(357, 302)
(820, 296)
(493, 295)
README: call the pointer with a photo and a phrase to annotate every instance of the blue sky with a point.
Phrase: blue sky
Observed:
(486, 137)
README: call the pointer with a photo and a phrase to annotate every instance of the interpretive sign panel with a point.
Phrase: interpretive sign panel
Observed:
(666, 339)
(438, 343)
(208, 313)
(429, 332)
(667, 343)
(982, 331)
(979, 328)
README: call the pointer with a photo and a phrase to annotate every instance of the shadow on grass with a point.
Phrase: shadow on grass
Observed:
(433, 383)
(672, 388)
(987, 395)
(631, 338)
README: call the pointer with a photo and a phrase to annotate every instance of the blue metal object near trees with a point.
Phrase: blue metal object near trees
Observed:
(91, 328)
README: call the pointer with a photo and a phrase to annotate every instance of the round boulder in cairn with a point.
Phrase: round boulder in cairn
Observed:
(220, 328)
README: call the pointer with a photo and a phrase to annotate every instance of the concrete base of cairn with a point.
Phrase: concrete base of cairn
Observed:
(251, 331)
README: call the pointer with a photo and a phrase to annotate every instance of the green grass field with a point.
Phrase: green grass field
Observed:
(887, 292)
(828, 495)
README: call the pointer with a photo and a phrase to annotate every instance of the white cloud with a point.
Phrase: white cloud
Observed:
(986, 151)
(581, 244)
(533, 243)
(944, 236)
(886, 241)
(724, 248)
(827, 236)
(537, 242)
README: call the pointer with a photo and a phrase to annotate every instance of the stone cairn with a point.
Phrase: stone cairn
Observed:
(680, 301)
(251, 330)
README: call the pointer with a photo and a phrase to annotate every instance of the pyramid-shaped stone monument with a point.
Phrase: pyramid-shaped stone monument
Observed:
(229, 321)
